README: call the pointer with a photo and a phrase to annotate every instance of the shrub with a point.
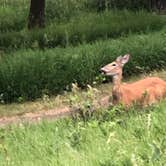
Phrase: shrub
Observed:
(28, 74)
(85, 29)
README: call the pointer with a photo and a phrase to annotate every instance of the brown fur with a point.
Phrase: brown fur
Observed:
(144, 92)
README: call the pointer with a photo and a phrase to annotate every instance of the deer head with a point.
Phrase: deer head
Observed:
(145, 91)
(115, 68)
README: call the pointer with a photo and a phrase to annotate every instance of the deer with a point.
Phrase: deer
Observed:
(145, 92)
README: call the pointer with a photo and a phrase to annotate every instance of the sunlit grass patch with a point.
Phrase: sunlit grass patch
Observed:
(136, 137)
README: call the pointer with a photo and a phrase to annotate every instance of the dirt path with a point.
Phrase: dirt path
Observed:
(36, 117)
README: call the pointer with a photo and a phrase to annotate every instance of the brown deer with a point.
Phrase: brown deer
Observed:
(144, 92)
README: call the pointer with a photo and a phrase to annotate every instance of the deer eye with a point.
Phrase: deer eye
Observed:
(114, 64)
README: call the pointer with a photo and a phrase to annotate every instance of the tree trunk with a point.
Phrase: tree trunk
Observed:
(100, 5)
(36, 14)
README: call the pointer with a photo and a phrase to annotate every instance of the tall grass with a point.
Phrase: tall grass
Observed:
(87, 28)
(133, 138)
(62, 9)
(29, 74)
(14, 14)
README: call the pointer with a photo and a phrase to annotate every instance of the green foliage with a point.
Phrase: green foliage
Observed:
(136, 137)
(87, 28)
(84, 104)
(28, 74)
(13, 15)
(119, 4)
(64, 9)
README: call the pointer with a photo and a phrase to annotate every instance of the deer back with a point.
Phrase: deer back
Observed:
(145, 91)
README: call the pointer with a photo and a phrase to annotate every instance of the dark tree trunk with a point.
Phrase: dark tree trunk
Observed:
(151, 4)
(100, 5)
(36, 14)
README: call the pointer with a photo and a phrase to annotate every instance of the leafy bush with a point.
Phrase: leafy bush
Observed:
(28, 74)
(83, 29)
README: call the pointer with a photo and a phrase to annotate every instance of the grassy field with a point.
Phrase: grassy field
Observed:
(78, 39)
(109, 137)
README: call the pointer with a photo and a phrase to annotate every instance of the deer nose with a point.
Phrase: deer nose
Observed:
(102, 70)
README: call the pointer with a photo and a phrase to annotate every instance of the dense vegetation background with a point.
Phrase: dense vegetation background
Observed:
(76, 39)
(79, 37)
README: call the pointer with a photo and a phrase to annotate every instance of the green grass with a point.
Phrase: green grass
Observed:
(28, 74)
(83, 28)
(13, 14)
(107, 138)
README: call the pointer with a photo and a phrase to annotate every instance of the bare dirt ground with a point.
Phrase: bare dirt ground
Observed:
(57, 107)
(35, 117)
(50, 113)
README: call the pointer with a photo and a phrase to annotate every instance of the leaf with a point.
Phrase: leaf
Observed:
(155, 152)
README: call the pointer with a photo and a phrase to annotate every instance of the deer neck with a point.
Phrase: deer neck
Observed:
(116, 90)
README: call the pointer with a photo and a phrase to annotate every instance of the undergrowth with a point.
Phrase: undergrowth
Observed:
(83, 28)
(28, 74)
(109, 137)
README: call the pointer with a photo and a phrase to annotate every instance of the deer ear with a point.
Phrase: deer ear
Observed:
(119, 59)
(125, 59)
